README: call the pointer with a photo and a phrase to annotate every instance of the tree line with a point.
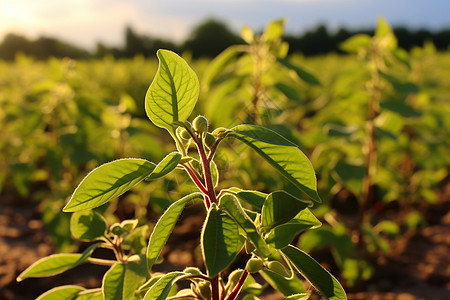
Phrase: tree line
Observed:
(207, 40)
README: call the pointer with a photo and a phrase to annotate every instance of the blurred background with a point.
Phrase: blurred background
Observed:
(361, 86)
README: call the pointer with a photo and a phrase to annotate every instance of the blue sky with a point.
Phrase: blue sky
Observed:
(84, 22)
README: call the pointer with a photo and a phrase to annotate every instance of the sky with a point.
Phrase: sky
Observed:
(86, 22)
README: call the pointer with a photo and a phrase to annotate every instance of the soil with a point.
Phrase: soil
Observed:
(418, 267)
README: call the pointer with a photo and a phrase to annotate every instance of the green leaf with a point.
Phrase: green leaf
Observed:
(287, 287)
(303, 74)
(282, 154)
(220, 240)
(274, 30)
(282, 235)
(279, 208)
(164, 227)
(351, 175)
(160, 290)
(66, 292)
(87, 225)
(320, 278)
(236, 211)
(289, 91)
(51, 265)
(71, 292)
(173, 93)
(400, 107)
(123, 279)
(108, 181)
(254, 198)
(356, 43)
(167, 165)
(218, 63)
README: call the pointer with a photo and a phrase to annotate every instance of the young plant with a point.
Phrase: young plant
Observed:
(262, 224)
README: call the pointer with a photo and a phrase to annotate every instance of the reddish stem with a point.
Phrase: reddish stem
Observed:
(206, 172)
(195, 179)
(215, 288)
(238, 286)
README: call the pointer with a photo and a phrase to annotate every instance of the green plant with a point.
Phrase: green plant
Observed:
(262, 224)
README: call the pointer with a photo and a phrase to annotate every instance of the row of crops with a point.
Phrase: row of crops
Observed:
(373, 122)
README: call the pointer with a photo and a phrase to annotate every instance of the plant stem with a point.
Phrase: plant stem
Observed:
(375, 96)
(238, 286)
(207, 172)
(195, 179)
(215, 288)
(101, 262)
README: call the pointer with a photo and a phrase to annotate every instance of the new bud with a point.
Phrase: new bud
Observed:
(254, 265)
(183, 133)
(200, 124)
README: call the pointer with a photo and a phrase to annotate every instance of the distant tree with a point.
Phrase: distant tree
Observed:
(210, 38)
(12, 44)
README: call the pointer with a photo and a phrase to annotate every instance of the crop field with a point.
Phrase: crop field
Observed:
(374, 123)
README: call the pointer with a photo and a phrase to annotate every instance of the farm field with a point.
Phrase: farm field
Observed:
(375, 126)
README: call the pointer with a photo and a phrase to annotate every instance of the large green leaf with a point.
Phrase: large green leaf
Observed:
(52, 265)
(123, 279)
(282, 154)
(87, 225)
(164, 227)
(173, 93)
(220, 240)
(71, 292)
(234, 208)
(108, 181)
(320, 278)
(279, 208)
(282, 235)
(160, 290)
(167, 165)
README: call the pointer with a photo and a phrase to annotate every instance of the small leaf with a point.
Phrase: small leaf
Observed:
(274, 30)
(87, 225)
(220, 240)
(167, 165)
(164, 227)
(282, 235)
(108, 181)
(254, 198)
(351, 175)
(160, 290)
(71, 292)
(282, 154)
(173, 93)
(287, 287)
(62, 293)
(51, 265)
(279, 208)
(236, 211)
(356, 43)
(123, 279)
(320, 278)
(289, 91)
(302, 73)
